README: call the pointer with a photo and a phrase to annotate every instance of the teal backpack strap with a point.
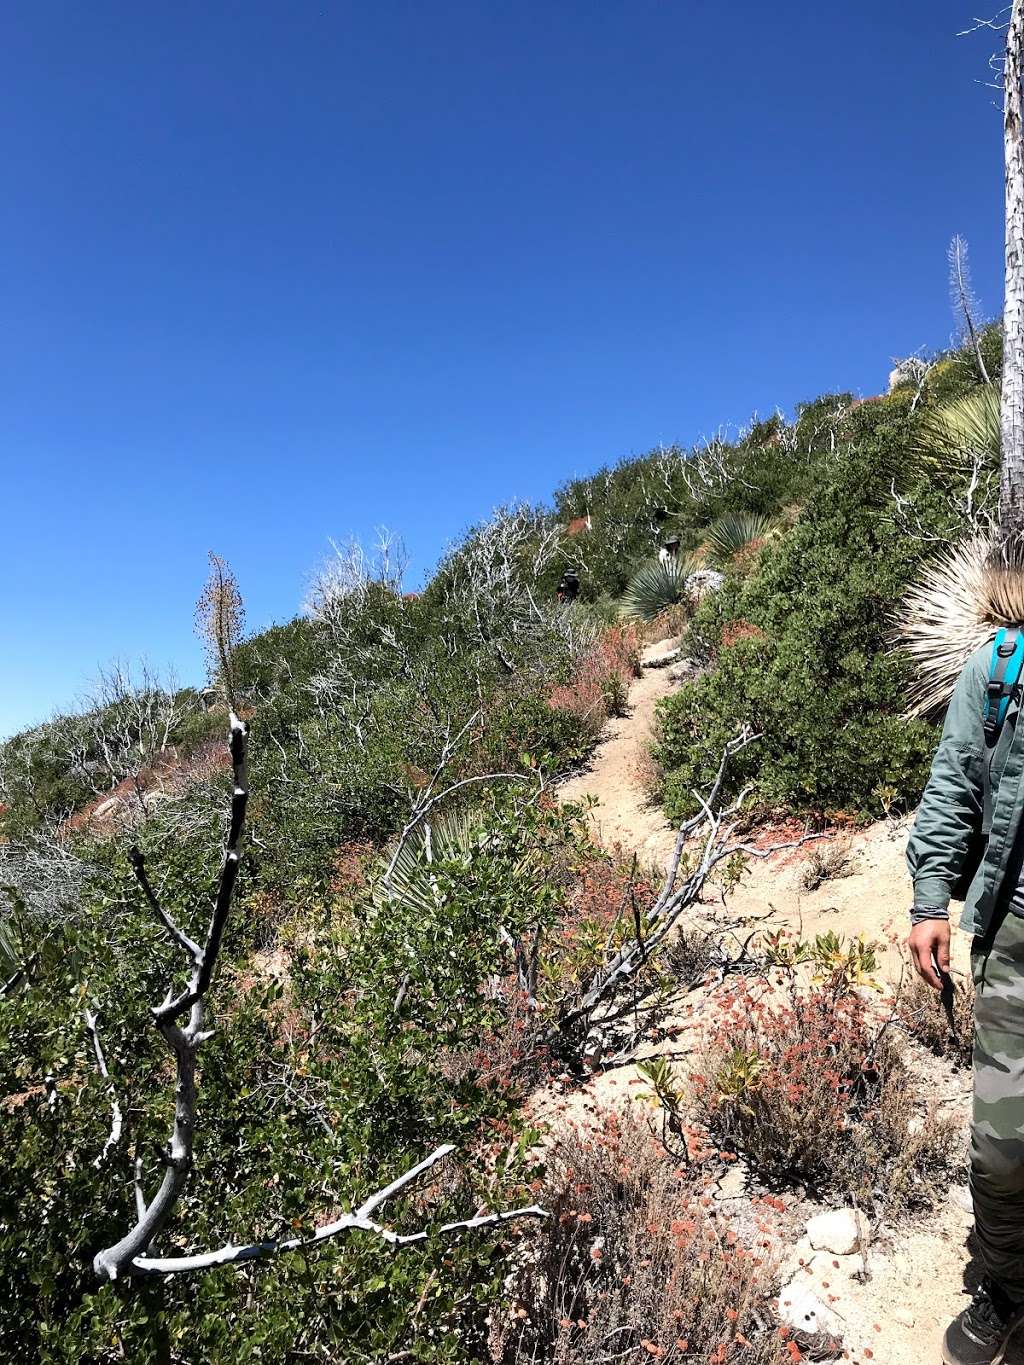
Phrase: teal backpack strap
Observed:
(1003, 677)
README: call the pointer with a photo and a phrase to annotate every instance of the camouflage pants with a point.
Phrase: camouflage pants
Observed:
(997, 1133)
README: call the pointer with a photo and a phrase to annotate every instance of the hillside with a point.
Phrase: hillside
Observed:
(435, 941)
(893, 1296)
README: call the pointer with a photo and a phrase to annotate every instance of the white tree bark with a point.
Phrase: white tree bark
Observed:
(1011, 485)
(184, 1039)
(129, 1255)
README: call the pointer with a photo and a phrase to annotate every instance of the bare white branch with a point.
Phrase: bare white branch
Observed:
(184, 1040)
(116, 1117)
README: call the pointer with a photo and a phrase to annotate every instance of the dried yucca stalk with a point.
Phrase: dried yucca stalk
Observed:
(957, 604)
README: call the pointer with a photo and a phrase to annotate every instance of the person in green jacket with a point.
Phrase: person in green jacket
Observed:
(966, 844)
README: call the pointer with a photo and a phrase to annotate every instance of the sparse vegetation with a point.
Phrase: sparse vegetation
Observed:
(634, 1261)
(943, 1026)
(825, 862)
(812, 1089)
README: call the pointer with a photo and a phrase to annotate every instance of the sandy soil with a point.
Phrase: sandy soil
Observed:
(624, 815)
(918, 1273)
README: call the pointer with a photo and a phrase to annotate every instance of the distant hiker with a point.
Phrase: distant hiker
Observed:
(568, 587)
(968, 843)
(669, 549)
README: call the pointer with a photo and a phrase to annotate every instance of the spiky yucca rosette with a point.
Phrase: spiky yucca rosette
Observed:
(957, 604)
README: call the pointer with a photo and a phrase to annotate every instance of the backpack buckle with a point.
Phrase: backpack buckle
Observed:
(1007, 649)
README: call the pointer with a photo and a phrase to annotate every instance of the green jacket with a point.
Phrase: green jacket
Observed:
(953, 837)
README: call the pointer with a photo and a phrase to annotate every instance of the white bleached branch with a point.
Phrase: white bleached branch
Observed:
(718, 844)
(116, 1117)
(130, 1255)
(185, 1040)
(359, 1220)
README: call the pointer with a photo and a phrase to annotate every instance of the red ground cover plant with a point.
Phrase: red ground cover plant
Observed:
(351, 862)
(636, 1263)
(599, 684)
(810, 1085)
(747, 555)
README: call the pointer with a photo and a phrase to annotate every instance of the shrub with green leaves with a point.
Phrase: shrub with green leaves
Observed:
(313, 1091)
(817, 678)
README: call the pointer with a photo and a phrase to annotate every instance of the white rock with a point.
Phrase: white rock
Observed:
(684, 670)
(960, 1197)
(799, 1260)
(662, 660)
(702, 581)
(666, 646)
(904, 1318)
(105, 807)
(801, 1309)
(733, 1183)
(841, 1231)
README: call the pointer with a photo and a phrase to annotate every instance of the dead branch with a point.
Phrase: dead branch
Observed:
(116, 1117)
(359, 1219)
(184, 1041)
(964, 300)
(129, 1256)
(719, 843)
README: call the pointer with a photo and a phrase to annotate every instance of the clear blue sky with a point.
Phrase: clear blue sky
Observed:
(276, 272)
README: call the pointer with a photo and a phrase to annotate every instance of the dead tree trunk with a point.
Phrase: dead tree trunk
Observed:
(1011, 479)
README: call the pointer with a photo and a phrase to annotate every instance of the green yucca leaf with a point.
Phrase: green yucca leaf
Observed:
(656, 586)
(951, 437)
(736, 530)
(450, 835)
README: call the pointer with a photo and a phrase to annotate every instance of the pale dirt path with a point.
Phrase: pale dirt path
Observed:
(624, 815)
(917, 1271)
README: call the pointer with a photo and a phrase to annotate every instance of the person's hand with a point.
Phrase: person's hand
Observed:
(929, 950)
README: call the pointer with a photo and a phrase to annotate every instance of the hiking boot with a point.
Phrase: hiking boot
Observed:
(982, 1332)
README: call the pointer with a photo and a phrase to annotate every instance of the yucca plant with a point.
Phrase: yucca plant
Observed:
(10, 950)
(657, 585)
(962, 435)
(956, 604)
(449, 835)
(735, 531)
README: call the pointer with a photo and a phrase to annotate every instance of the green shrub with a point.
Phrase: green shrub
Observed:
(311, 1093)
(816, 679)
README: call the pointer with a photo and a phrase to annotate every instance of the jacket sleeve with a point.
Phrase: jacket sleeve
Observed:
(952, 806)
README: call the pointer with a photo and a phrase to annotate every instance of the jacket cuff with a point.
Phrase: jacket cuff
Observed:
(931, 893)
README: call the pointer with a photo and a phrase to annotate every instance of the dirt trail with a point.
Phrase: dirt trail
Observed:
(623, 814)
(917, 1272)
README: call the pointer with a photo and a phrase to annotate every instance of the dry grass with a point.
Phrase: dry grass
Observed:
(921, 1012)
(647, 774)
(667, 624)
(826, 861)
(598, 686)
(633, 1265)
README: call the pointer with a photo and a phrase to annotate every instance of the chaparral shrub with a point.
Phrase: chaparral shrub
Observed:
(811, 1088)
(817, 678)
(634, 1263)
